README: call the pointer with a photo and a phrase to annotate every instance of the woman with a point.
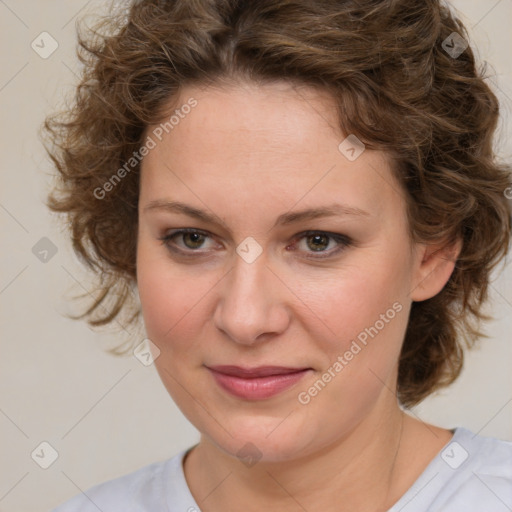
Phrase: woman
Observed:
(305, 199)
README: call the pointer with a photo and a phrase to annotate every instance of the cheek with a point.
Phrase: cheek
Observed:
(174, 299)
(168, 305)
(172, 310)
(164, 296)
(366, 313)
(357, 299)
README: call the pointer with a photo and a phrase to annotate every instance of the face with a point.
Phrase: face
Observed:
(233, 271)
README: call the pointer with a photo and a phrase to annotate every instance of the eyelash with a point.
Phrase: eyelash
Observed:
(343, 241)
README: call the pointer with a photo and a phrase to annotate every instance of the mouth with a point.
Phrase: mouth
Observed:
(258, 383)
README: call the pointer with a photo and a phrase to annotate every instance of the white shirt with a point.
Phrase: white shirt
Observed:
(471, 473)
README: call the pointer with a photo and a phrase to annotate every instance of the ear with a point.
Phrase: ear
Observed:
(433, 267)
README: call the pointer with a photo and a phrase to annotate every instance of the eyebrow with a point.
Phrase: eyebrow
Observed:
(332, 210)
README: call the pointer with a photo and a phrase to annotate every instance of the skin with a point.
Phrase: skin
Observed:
(247, 154)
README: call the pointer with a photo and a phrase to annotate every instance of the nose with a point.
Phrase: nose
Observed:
(252, 306)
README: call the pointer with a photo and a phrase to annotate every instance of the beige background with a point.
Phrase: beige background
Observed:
(104, 415)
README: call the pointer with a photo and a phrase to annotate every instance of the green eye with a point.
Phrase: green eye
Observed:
(317, 242)
(193, 240)
(323, 243)
(186, 240)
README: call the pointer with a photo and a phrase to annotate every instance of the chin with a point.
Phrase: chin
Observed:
(263, 439)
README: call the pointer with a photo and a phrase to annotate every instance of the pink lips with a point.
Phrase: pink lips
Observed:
(256, 383)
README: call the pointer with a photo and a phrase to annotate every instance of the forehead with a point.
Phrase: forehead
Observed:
(278, 119)
(257, 144)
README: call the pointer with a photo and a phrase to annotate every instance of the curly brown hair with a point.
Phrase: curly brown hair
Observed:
(398, 88)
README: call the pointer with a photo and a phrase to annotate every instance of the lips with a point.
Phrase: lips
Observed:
(252, 373)
(257, 383)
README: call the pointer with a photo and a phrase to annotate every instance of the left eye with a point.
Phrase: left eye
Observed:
(319, 242)
(323, 243)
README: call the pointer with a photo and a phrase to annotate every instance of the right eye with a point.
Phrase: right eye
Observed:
(186, 240)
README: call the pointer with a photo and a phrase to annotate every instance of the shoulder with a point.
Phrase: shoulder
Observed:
(471, 473)
(145, 489)
(476, 454)
(483, 476)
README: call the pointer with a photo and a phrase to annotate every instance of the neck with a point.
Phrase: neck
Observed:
(368, 469)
